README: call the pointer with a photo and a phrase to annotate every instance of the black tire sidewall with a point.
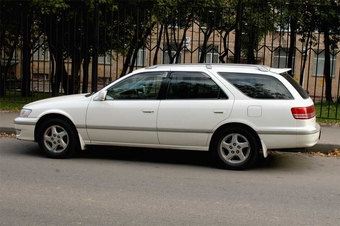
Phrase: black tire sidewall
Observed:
(254, 149)
(73, 139)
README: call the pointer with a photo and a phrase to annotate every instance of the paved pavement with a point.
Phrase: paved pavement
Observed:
(330, 134)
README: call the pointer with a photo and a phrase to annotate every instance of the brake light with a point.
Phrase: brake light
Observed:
(303, 112)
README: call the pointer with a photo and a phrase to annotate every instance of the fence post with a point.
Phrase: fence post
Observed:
(238, 32)
(95, 47)
(25, 86)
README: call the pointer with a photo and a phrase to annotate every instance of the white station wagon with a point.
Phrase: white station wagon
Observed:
(235, 111)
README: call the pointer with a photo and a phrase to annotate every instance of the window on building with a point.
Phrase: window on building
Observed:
(104, 59)
(211, 55)
(41, 52)
(319, 64)
(5, 55)
(141, 58)
(281, 58)
(166, 57)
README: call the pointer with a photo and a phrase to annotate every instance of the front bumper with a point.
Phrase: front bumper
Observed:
(25, 128)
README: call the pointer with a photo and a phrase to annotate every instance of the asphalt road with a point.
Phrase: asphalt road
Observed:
(111, 186)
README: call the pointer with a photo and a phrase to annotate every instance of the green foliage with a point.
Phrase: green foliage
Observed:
(50, 6)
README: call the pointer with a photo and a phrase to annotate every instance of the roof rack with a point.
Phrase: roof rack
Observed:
(259, 67)
(210, 66)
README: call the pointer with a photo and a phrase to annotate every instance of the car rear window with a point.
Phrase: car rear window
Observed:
(296, 85)
(258, 86)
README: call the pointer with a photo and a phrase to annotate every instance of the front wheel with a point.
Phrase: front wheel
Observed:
(57, 139)
(235, 148)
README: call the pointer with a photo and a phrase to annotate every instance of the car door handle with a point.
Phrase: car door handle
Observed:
(148, 111)
(219, 111)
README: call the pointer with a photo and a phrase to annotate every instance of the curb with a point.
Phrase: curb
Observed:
(7, 130)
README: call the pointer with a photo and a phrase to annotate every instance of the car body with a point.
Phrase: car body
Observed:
(235, 111)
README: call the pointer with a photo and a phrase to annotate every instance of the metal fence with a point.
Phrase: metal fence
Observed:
(47, 52)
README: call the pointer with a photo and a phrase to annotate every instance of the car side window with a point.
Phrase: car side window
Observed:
(193, 85)
(258, 86)
(139, 86)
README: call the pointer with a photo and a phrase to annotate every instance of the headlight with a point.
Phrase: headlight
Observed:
(25, 112)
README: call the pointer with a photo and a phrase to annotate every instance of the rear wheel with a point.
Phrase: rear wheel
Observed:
(235, 148)
(57, 139)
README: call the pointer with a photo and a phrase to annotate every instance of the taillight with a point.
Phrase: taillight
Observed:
(303, 112)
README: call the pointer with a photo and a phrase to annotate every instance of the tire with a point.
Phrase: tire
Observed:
(57, 139)
(235, 148)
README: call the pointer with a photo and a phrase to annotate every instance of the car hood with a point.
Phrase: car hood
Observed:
(65, 100)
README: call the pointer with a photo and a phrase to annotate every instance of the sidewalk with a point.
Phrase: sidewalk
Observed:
(330, 135)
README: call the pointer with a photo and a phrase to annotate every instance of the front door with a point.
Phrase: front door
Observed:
(129, 112)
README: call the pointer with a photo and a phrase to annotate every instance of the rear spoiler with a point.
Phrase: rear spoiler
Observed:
(279, 70)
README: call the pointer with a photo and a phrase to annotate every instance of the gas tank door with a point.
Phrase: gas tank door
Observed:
(254, 111)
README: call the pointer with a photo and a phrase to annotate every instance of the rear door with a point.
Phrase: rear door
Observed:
(193, 106)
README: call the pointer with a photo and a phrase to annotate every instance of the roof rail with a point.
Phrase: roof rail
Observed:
(210, 66)
(259, 67)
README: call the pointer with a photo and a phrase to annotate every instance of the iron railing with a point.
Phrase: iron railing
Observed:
(81, 48)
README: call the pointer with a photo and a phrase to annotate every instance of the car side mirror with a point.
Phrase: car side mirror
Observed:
(102, 95)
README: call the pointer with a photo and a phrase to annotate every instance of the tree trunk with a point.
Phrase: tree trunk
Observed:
(86, 73)
(158, 45)
(327, 66)
(26, 60)
(204, 48)
(251, 47)
(304, 54)
(292, 45)
(238, 33)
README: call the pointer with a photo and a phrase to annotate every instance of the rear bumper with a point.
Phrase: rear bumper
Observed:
(303, 138)
(309, 138)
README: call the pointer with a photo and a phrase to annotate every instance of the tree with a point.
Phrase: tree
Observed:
(257, 21)
(328, 22)
(210, 18)
(138, 22)
(323, 17)
(9, 39)
(69, 26)
(174, 19)
(18, 32)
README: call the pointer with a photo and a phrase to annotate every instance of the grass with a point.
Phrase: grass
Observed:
(14, 101)
(326, 113)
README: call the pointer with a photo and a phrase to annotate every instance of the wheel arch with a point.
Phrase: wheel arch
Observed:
(48, 117)
(237, 125)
